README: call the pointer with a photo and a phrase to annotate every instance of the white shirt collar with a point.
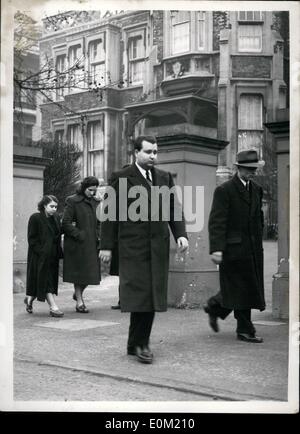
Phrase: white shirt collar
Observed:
(242, 181)
(143, 171)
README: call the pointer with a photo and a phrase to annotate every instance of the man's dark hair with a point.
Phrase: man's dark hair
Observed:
(137, 143)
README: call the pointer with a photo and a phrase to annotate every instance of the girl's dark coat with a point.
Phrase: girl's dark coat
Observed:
(236, 229)
(44, 251)
(81, 241)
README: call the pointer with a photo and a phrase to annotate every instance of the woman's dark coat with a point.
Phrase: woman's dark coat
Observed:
(236, 229)
(81, 241)
(44, 252)
(143, 258)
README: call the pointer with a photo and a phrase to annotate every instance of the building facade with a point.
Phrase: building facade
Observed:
(217, 74)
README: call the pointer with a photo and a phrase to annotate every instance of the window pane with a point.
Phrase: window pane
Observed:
(75, 136)
(98, 74)
(136, 72)
(250, 112)
(136, 48)
(181, 38)
(59, 135)
(257, 15)
(201, 29)
(75, 54)
(250, 37)
(95, 135)
(96, 164)
(180, 16)
(96, 51)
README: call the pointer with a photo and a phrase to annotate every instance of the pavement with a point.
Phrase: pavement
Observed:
(188, 355)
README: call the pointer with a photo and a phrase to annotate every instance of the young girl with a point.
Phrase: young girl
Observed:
(44, 252)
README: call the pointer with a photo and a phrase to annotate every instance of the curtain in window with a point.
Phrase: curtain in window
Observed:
(96, 51)
(136, 72)
(75, 136)
(98, 74)
(250, 15)
(75, 54)
(250, 112)
(96, 164)
(181, 38)
(180, 21)
(95, 135)
(250, 37)
(250, 121)
(201, 29)
(136, 48)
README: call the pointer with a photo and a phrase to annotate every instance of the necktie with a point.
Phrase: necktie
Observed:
(248, 186)
(148, 176)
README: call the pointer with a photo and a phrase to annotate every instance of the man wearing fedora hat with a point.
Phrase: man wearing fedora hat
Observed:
(235, 234)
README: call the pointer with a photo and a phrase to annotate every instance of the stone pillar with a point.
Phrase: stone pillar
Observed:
(28, 178)
(224, 117)
(280, 284)
(192, 159)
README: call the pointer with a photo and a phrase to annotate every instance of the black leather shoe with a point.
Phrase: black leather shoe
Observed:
(143, 353)
(212, 319)
(115, 306)
(249, 338)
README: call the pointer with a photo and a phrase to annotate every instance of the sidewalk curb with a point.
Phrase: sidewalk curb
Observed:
(215, 394)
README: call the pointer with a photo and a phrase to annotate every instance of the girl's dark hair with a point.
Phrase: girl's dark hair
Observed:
(87, 182)
(45, 200)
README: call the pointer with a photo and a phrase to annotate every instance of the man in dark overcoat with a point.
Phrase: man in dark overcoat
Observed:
(143, 244)
(235, 235)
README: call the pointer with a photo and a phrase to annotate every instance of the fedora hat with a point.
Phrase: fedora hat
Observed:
(248, 158)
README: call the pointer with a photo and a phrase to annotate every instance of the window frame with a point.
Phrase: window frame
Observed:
(172, 25)
(252, 131)
(132, 35)
(250, 20)
(249, 49)
(204, 21)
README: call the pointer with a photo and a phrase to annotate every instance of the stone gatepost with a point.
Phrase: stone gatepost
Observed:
(192, 159)
(280, 285)
(28, 174)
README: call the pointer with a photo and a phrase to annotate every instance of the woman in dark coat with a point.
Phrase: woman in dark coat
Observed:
(44, 252)
(81, 240)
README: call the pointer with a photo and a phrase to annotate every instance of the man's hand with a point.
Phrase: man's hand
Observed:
(105, 255)
(217, 257)
(182, 244)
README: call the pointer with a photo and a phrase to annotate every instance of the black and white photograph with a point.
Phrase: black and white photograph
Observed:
(149, 206)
